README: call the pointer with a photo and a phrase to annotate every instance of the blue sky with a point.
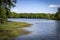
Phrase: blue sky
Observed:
(36, 6)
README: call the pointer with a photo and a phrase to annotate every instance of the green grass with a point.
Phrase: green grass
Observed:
(10, 30)
(14, 25)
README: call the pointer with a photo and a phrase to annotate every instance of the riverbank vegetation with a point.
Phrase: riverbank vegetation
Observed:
(9, 30)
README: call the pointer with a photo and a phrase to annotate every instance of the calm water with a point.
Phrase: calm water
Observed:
(42, 29)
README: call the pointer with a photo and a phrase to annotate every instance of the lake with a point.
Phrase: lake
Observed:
(42, 29)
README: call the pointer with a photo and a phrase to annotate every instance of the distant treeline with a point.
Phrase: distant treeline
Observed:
(32, 15)
(55, 16)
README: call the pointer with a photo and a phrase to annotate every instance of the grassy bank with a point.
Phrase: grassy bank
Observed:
(10, 30)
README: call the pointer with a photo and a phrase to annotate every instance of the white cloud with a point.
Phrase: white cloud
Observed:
(53, 6)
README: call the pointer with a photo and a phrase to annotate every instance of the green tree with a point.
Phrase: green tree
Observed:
(57, 15)
(5, 5)
(2, 15)
(13, 15)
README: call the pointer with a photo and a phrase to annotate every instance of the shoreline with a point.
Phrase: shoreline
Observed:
(10, 30)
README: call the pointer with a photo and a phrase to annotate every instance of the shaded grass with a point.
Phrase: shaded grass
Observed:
(9, 30)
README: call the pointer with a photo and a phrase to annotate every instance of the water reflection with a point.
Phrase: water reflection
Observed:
(41, 29)
(58, 30)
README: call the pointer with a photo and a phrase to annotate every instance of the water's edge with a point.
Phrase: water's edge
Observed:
(42, 29)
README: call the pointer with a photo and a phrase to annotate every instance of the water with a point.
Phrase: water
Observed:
(42, 29)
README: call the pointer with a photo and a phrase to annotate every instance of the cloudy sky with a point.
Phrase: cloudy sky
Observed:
(36, 6)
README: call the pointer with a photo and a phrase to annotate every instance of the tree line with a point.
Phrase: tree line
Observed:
(49, 16)
(6, 5)
(31, 15)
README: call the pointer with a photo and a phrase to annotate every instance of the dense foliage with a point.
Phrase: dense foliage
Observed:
(5, 6)
(57, 16)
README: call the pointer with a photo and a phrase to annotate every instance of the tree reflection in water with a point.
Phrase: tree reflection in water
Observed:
(58, 30)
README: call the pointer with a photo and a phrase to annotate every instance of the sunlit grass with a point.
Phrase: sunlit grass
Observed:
(10, 30)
